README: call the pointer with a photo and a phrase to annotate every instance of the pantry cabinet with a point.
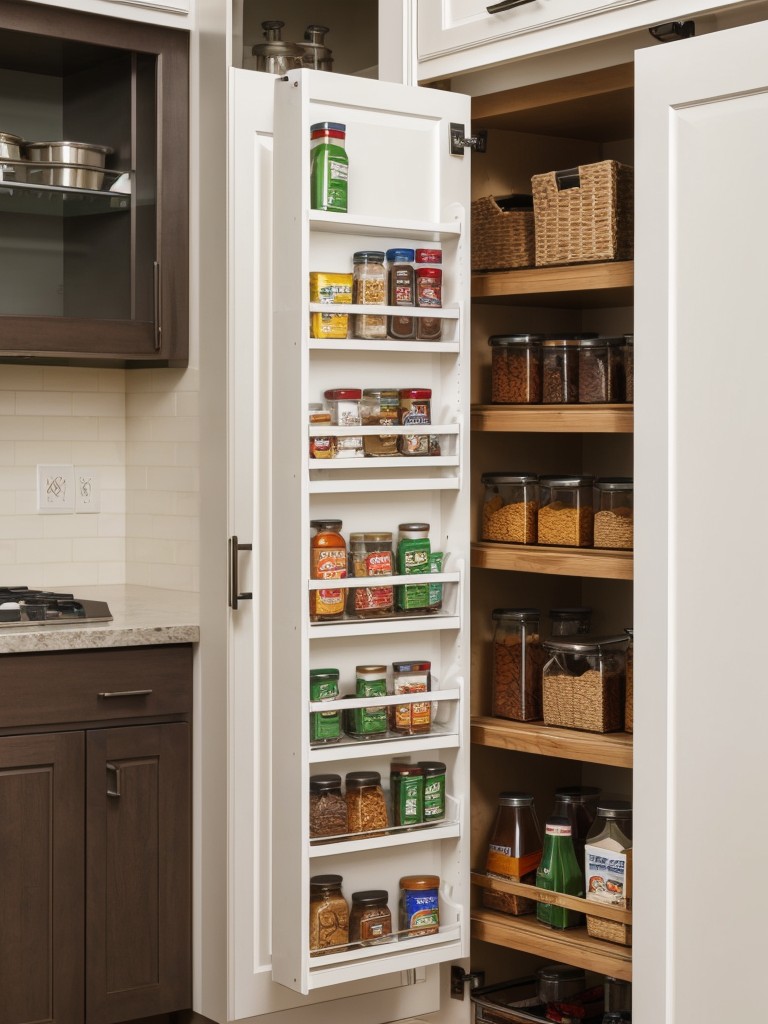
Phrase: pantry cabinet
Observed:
(173, 13)
(95, 267)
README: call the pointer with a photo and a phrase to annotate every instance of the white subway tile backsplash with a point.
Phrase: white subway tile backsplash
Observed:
(172, 478)
(68, 428)
(98, 404)
(145, 453)
(7, 403)
(13, 527)
(30, 453)
(150, 403)
(52, 549)
(98, 549)
(21, 378)
(21, 428)
(44, 403)
(69, 378)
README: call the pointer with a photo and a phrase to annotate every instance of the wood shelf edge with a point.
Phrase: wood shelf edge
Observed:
(606, 911)
(596, 563)
(584, 419)
(612, 748)
(575, 277)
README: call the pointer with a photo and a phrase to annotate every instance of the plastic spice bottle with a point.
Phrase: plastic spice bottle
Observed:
(411, 677)
(514, 852)
(328, 167)
(434, 790)
(402, 282)
(518, 660)
(369, 288)
(415, 410)
(406, 786)
(429, 293)
(327, 561)
(559, 871)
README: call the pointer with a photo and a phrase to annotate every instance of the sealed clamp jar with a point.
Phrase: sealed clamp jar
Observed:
(518, 659)
(419, 905)
(370, 918)
(328, 913)
(514, 852)
(344, 406)
(569, 621)
(510, 507)
(327, 807)
(327, 561)
(369, 288)
(566, 512)
(380, 407)
(366, 806)
(402, 287)
(415, 410)
(371, 555)
(516, 369)
(614, 512)
(583, 683)
(324, 726)
(601, 370)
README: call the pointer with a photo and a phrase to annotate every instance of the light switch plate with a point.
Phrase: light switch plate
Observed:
(87, 489)
(55, 489)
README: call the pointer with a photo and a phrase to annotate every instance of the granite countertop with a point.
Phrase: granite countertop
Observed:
(140, 616)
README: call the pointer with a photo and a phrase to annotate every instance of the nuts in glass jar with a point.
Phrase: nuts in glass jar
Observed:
(327, 807)
(366, 806)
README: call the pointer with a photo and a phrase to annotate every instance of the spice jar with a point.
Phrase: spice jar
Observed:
(434, 790)
(406, 786)
(328, 166)
(401, 292)
(560, 369)
(415, 410)
(327, 807)
(371, 554)
(628, 355)
(331, 290)
(363, 723)
(429, 292)
(413, 558)
(369, 289)
(380, 407)
(328, 913)
(565, 511)
(510, 507)
(629, 704)
(411, 677)
(614, 512)
(344, 406)
(327, 561)
(366, 806)
(514, 852)
(579, 805)
(370, 918)
(601, 370)
(516, 369)
(583, 683)
(569, 621)
(419, 905)
(518, 659)
(321, 447)
(608, 854)
(429, 256)
(324, 726)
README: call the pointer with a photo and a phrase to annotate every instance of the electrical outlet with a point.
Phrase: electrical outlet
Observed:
(87, 489)
(55, 489)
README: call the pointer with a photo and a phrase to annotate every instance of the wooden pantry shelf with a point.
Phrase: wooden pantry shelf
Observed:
(596, 563)
(605, 911)
(543, 419)
(577, 286)
(614, 748)
(571, 946)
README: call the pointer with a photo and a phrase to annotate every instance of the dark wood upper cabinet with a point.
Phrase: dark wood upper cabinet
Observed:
(94, 275)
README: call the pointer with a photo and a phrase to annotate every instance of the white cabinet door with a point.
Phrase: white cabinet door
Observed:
(174, 13)
(701, 546)
(464, 35)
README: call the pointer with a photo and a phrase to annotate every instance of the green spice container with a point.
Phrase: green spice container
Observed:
(434, 790)
(413, 557)
(363, 723)
(329, 167)
(559, 871)
(406, 783)
(324, 726)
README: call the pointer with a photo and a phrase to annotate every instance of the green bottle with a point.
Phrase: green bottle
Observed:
(559, 871)
(329, 167)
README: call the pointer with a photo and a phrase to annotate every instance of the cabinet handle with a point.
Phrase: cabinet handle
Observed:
(506, 5)
(158, 304)
(125, 693)
(234, 549)
(113, 777)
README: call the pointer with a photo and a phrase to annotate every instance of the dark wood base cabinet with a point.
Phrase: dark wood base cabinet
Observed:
(95, 836)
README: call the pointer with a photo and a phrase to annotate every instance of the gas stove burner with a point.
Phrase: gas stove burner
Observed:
(20, 606)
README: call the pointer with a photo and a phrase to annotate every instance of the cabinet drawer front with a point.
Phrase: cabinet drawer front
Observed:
(90, 686)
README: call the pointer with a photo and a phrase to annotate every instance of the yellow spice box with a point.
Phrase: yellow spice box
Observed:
(333, 289)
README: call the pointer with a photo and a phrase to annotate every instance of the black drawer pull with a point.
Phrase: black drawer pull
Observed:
(126, 693)
(506, 5)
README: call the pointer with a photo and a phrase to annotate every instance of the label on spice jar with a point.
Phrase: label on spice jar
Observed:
(328, 564)
(369, 721)
(501, 862)
(419, 911)
(434, 797)
(607, 875)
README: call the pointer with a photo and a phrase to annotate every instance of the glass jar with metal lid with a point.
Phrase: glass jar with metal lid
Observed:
(518, 659)
(614, 512)
(560, 369)
(370, 918)
(583, 683)
(344, 406)
(628, 355)
(419, 905)
(415, 410)
(380, 407)
(402, 292)
(327, 807)
(629, 705)
(569, 621)
(327, 561)
(328, 913)
(516, 368)
(579, 805)
(366, 806)
(566, 512)
(514, 851)
(510, 507)
(371, 555)
(601, 370)
(369, 288)
(276, 55)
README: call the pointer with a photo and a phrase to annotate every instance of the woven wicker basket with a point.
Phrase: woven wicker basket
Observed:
(501, 239)
(610, 931)
(591, 222)
(593, 702)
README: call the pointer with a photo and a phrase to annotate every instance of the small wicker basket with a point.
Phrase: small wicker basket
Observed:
(501, 239)
(609, 931)
(584, 214)
(593, 702)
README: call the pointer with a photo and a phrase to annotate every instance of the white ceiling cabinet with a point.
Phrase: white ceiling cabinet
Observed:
(174, 13)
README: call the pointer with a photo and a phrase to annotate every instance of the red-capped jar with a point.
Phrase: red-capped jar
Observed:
(429, 292)
(415, 409)
(429, 255)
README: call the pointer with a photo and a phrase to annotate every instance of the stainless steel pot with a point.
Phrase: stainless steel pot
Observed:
(81, 153)
(276, 56)
(65, 175)
(10, 148)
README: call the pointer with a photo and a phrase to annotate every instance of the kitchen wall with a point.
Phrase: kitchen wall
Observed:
(138, 430)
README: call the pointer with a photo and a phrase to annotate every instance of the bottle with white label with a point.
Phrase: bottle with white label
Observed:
(608, 867)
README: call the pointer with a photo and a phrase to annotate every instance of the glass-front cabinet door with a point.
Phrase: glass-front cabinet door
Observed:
(93, 188)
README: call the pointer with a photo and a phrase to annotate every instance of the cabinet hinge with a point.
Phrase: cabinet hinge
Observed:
(673, 30)
(459, 142)
(460, 978)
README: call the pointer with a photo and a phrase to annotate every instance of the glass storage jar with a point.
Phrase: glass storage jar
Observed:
(629, 706)
(366, 722)
(608, 875)
(583, 683)
(569, 621)
(402, 288)
(328, 913)
(419, 905)
(327, 561)
(565, 511)
(370, 918)
(628, 353)
(429, 293)
(415, 410)
(327, 807)
(380, 407)
(579, 805)
(601, 370)
(510, 507)
(514, 852)
(371, 555)
(366, 806)
(560, 371)
(344, 406)
(411, 677)
(324, 726)
(516, 368)
(518, 659)
(614, 512)
(369, 288)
